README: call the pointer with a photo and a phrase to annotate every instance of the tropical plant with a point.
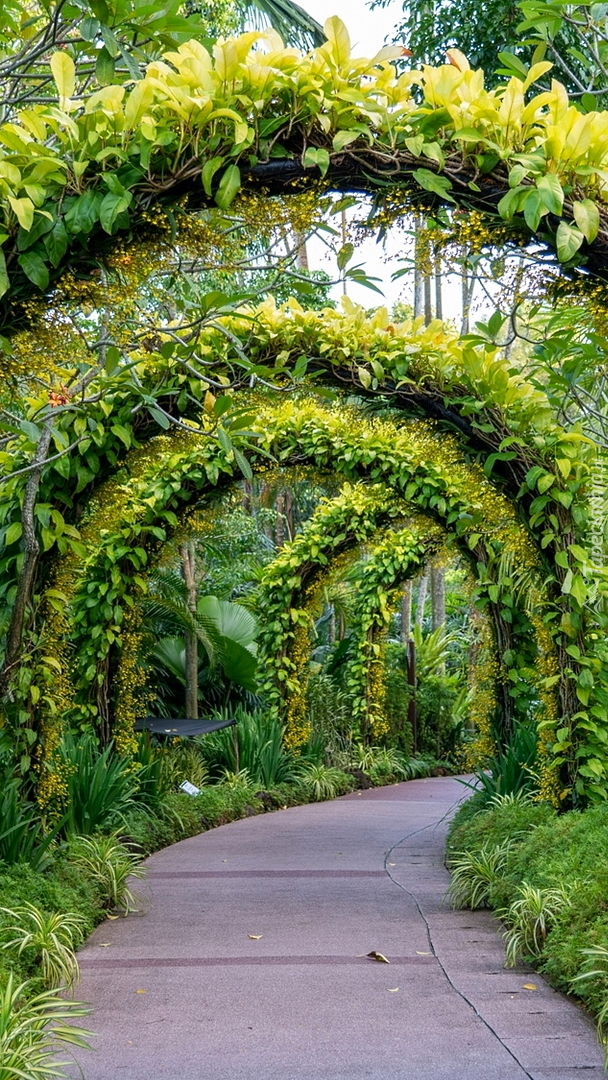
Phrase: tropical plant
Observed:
(475, 873)
(22, 834)
(531, 916)
(110, 864)
(380, 761)
(596, 963)
(101, 786)
(320, 782)
(237, 780)
(511, 769)
(49, 938)
(32, 1027)
(255, 744)
(226, 631)
(183, 761)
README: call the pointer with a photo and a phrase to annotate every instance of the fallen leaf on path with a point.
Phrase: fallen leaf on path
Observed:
(392, 864)
(255, 937)
(530, 986)
(141, 991)
(423, 953)
(393, 989)
(113, 916)
(380, 957)
(104, 944)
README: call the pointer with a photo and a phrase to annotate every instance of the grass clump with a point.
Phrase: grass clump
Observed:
(550, 888)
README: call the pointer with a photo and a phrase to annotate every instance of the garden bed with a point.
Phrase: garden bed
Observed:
(546, 875)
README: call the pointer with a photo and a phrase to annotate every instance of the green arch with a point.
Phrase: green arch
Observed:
(133, 512)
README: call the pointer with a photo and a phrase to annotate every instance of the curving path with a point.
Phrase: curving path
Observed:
(250, 963)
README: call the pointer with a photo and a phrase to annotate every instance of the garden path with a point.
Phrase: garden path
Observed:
(250, 962)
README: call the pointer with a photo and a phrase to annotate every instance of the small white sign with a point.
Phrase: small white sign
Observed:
(190, 789)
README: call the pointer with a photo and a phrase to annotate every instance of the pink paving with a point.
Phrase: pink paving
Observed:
(183, 992)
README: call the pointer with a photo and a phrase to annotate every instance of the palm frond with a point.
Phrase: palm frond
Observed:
(295, 26)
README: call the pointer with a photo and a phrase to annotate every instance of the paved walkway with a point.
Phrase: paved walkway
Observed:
(250, 963)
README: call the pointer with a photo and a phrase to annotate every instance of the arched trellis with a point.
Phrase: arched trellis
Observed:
(378, 580)
(132, 513)
(343, 522)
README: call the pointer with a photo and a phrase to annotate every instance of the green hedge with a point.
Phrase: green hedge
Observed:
(550, 850)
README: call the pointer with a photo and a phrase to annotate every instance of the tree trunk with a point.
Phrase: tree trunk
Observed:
(189, 572)
(438, 596)
(438, 287)
(31, 554)
(428, 300)
(418, 278)
(421, 600)
(301, 252)
(280, 530)
(406, 613)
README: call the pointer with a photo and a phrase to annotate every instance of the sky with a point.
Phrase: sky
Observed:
(369, 31)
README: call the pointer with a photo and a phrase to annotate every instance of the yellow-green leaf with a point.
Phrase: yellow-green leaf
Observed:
(587, 217)
(64, 73)
(339, 40)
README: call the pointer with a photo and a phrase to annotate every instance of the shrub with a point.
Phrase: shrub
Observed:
(255, 745)
(101, 785)
(22, 839)
(474, 873)
(320, 782)
(50, 939)
(32, 1027)
(111, 864)
(530, 918)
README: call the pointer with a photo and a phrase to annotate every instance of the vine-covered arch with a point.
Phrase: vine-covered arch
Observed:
(132, 514)
(356, 123)
(495, 417)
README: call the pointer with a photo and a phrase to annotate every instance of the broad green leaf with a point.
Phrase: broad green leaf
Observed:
(430, 181)
(208, 172)
(64, 73)
(13, 533)
(105, 67)
(229, 186)
(34, 268)
(587, 217)
(111, 206)
(56, 243)
(533, 209)
(551, 193)
(316, 156)
(84, 213)
(344, 138)
(568, 241)
(4, 279)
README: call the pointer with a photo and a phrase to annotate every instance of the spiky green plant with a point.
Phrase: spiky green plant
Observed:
(110, 863)
(50, 938)
(32, 1028)
(237, 780)
(22, 835)
(383, 761)
(597, 968)
(530, 918)
(474, 873)
(320, 782)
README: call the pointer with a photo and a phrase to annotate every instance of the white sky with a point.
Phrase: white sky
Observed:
(369, 31)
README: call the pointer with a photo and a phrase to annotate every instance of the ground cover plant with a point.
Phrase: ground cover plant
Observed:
(546, 876)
